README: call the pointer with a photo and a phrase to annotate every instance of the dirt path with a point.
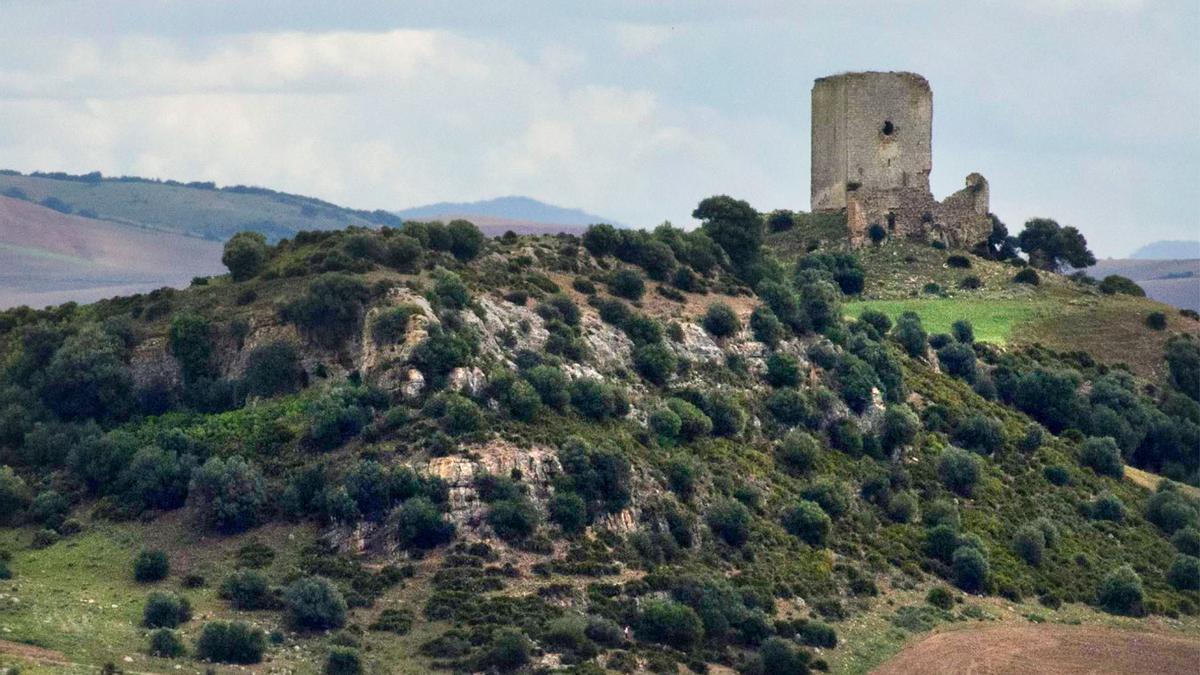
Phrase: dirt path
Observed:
(32, 653)
(1046, 650)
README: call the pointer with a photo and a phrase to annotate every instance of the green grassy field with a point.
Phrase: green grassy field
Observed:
(994, 320)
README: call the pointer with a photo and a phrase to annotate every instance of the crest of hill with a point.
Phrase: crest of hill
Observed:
(1168, 250)
(521, 214)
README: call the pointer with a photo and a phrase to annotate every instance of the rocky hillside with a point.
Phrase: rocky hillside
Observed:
(415, 449)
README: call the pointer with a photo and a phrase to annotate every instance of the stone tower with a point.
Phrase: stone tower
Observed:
(872, 151)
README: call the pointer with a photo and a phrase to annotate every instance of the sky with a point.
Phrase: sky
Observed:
(1080, 110)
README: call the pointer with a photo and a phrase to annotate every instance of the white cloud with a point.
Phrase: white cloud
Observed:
(375, 120)
(635, 39)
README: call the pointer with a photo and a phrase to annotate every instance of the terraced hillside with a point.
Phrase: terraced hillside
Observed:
(416, 449)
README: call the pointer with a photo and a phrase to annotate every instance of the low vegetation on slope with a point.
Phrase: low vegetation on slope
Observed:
(413, 448)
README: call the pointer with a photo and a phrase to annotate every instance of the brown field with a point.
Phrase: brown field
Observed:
(1046, 650)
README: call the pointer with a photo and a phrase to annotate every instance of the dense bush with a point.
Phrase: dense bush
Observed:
(1029, 543)
(1170, 510)
(601, 239)
(154, 479)
(331, 308)
(86, 377)
(1115, 283)
(1184, 573)
(165, 610)
(166, 644)
(681, 477)
(970, 568)
(808, 521)
(940, 597)
(729, 519)
(1156, 321)
(734, 225)
(959, 470)
(1102, 456)
(229, 494)
(958, 360)
(151, 565)
(1107, 506)
(236, 642)
(390, 326)
(910, 334)
(1027, 275)
(247, 590)
(513, 519)
(1187, 541)
(1121, 592)
(797, 452)
(551, 385)
(783, 370)
(343, 661)
(598, 400)
(418, 524)
(670, 623)
(313, 603)
(568, 511)
(14, 495)
(273, 369)
(788, 406)
(49, 509)
(980, 433)
(721, 321)
(601, 476)
(508, 650)
(466, 241)
(245, 254)
(655, 362)
(831, 495)
(627, 283)
(899, 428)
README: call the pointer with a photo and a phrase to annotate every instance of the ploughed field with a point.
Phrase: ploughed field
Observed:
(1046, 650)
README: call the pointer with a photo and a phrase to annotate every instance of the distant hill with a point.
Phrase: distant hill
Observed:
(48, 257)
(195, 209)
(520, 214)
(1168, 250)
(1175, 282)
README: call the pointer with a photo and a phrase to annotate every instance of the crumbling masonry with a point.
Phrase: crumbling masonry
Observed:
(872, 150)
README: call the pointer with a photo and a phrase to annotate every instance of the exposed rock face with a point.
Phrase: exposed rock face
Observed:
(536, 465)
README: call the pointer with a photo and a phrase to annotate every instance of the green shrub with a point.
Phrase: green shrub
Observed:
(941, 512)
(313, 603)
(817, 634)
(959, 470)
(693, 423)
(513, 519)
(236, 642)
(443, 351)
(1057, 475)
(797, 452)
(788, 406)
(1027, 276)
(970, 568)
(247, 590)
(670, 623)
(151, 565)
(245, 254)
(522, 401)
(568, 511)
(1029, 543)
(721, 321)
(778, 656)
(831, 495)
(165, 610)
(460, 415)
(273, 369)
(1169, 509)
(940, 597)
(331, 308)
(449, 290)
(190, 341)
(642, 330)
(809, 522)
(601, 239)
(1187, 541)
(899, 428)
(14, 495)
(466, 241)
(665, 424)
(49, 509)
(390, 326)
(655, 362)
(766, 327)
(958, 359)
(1184, 574)
(958, 261)
(1115, 283)
(343, 661)
(1102, 456)
(627, 283)
(729, 519)
(728, 417)
(1107, 506)
(877, 320)
(910, 334)
(1120, 592)
(551, 385)
(417, 524)
(166, 644)
(598, 400)
(783, 370)
(229, 494)
(508, 650)
(902, 507)
(980, 433)
(1156, 321)
(681, 477)
(403, 253)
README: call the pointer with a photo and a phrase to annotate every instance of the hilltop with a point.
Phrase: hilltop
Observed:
(419, 449)
(523, 215)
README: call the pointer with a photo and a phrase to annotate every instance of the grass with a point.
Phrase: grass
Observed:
(994, 320)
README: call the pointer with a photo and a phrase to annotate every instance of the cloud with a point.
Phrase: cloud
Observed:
(635, 39)
(376, 120)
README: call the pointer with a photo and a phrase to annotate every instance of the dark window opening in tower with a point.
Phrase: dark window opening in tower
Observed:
(891, 221)
(888, 129)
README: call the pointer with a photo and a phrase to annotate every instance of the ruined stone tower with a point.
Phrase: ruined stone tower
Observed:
(872, 151)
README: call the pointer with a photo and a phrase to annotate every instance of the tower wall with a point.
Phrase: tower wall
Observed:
(872, 132)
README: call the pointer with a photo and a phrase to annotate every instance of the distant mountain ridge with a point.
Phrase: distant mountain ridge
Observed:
(517, 209)
(1168, 250)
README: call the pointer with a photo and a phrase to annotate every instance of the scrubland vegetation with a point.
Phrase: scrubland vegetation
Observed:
(413, 448)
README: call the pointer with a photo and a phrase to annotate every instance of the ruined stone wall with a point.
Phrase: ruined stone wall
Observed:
(871, 132)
